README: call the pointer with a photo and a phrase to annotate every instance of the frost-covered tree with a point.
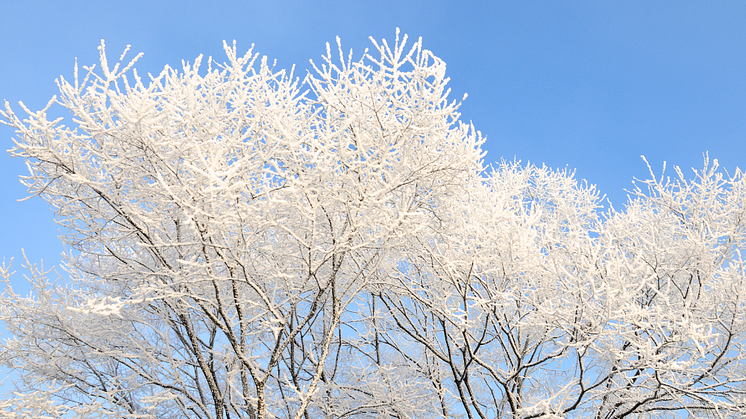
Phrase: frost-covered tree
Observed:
(244, 244)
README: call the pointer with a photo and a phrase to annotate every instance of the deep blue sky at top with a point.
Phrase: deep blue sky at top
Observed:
(579, 84)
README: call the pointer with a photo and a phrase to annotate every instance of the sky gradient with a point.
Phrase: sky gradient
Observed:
(589, 86)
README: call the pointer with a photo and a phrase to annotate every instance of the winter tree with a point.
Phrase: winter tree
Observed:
(247, 244)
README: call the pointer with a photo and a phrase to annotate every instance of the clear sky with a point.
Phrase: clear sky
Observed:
(585, 85)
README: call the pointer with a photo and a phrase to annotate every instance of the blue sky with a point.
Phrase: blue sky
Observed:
(585, 85)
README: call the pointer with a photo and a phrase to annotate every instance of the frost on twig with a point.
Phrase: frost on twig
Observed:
(248, 244)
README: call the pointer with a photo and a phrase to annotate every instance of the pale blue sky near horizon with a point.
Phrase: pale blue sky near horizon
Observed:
(585, 85)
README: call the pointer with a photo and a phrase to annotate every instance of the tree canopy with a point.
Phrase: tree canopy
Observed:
(247, 244)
